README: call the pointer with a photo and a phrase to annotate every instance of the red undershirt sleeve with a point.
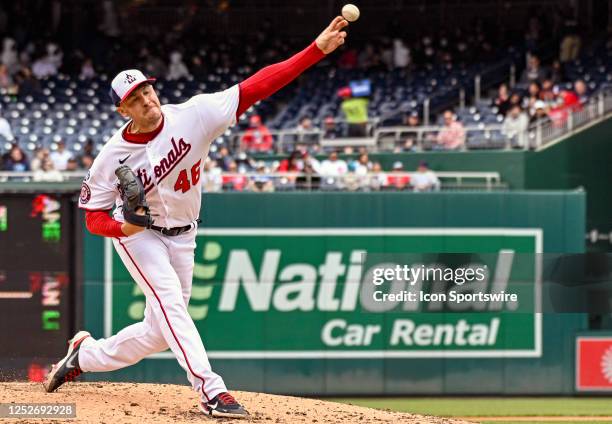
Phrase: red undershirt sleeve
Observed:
(102, 224)
(272, 78)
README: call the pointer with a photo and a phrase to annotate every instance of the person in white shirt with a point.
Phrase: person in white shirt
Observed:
(333, 167)
(378, 180)
(61, 156)
(177, 68)
(515, 125)
(212, 181)
(401, 54)
(5, 129)
(363, 165)
(47, 172)
(424, 179)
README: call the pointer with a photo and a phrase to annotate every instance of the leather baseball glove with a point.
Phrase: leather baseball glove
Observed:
(133, 196)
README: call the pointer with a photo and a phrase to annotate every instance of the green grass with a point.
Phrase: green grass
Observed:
(544, 422)
(474, 406)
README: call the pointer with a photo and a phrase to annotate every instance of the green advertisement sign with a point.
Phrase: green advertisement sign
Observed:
(294, 293)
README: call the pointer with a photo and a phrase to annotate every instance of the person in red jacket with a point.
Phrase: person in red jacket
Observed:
(257, 138)
(397, 179)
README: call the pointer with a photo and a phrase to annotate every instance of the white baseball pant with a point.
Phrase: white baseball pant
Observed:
(163, 268)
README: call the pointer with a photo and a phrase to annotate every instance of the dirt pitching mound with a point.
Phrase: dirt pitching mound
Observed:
(115, 403)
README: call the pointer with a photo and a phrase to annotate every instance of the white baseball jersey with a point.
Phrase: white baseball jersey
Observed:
(169, 165)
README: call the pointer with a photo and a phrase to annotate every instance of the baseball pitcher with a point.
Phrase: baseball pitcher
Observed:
(150, 171)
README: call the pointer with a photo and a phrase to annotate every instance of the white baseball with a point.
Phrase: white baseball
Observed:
(350, 12)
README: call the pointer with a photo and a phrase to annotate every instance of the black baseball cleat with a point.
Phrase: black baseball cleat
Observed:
(223, 405)
(68, 368)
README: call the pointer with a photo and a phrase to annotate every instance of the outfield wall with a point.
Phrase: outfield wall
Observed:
(267, 338)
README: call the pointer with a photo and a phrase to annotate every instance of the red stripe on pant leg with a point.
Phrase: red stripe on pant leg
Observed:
(166, 317)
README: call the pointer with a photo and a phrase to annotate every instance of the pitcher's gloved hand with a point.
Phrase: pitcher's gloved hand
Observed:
(135, 207)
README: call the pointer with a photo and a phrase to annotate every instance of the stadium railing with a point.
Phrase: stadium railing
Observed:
(255, 181)
(596, 109)
(478, 136)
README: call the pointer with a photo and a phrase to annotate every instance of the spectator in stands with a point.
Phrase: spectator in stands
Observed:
(330, 129)
(312, 162)
(305, 125)
(40, 155)
(291, 164)
(85, 161)
(409, 139)
(534, 71)
(47, 172)
(177, 68)
(502, 101)
(257, 138)
(557, 73)
(224, 158)
(6, 82)
(568, 102)
(306, 132)
(582, 91)
(245, 162)
(9, 55)
(198, 69)
(368, 59)
(15, 160)
(87, 156)
(361, 170)
(515, 99)
(87, 69)
(27, 85)
(540, 113)
(261, 182)
(515, 126)
(401, 54)
(311, 179)
(49, 64)
(333, 167)
(61, 156)
(452, 136)
(152, 64)
(386, 55)
(72, 165)
(378, 179)
(212, 181)
(356, 112)
(233, 180)
(5, 129)
(397, 179)
(424, 179)
(569, 49)
(533, 95)
(547, 93)
(362, 165)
